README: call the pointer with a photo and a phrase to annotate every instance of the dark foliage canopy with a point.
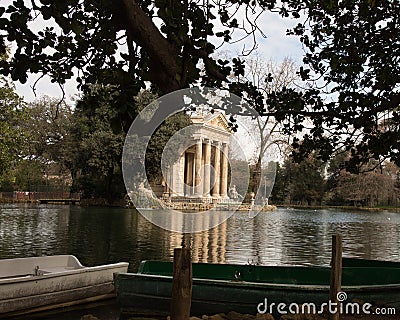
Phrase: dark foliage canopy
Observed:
(351, 59)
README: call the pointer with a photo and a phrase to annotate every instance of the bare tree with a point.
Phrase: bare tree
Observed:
(269, 77)
(370, 188)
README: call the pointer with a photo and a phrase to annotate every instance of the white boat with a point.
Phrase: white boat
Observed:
(42, 283)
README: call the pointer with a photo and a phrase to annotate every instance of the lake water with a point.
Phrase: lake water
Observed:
(283, 237)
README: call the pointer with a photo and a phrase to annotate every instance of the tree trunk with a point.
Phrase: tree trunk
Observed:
(163, 64)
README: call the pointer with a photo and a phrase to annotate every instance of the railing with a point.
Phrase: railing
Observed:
(52, 195)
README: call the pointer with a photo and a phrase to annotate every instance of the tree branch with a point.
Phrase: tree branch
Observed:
(164, 67)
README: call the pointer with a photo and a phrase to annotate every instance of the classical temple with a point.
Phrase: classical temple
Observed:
(201, 171)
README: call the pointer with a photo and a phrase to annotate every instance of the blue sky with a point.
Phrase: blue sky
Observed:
(276, 45)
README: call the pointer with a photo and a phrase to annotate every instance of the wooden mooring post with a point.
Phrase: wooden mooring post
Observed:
(336, 274)
(182, 284)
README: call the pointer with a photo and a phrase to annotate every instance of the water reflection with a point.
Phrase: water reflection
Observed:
(283, 237)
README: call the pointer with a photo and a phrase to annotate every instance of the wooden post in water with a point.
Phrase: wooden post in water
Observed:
(336, 273)
(181, 285)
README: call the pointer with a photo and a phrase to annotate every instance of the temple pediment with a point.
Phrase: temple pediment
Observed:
(213, 120)
(218, 120)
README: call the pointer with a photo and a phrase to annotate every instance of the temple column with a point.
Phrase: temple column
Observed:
(177, 176)
(198, 176)
(189, 175)
(168, 181)
(173, 180)
(207, 169)
(182, 175)
(224, 171)
(217, 160)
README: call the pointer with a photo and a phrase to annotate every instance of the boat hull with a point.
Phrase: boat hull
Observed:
(150, 294)
(31, 293)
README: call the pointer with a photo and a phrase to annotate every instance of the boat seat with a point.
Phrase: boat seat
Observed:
(31, 266)
(47, 270)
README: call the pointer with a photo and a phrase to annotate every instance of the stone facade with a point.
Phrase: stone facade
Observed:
(201, 172)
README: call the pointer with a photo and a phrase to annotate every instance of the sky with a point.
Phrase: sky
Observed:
(276, 46)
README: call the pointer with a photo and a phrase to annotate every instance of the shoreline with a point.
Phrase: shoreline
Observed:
(350, 208)
(271, 207)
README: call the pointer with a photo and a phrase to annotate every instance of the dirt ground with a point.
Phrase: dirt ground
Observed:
(111, 312)
(237, 316)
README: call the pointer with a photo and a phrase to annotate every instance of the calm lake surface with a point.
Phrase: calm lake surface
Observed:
(283, 237)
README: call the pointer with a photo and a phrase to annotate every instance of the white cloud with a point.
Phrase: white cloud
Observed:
(278, 45)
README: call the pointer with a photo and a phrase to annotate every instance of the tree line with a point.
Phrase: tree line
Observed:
(349, 101)
(313, 183)
(351, 60)
(48, 145)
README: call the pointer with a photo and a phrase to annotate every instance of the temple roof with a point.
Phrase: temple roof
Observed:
(216, 120)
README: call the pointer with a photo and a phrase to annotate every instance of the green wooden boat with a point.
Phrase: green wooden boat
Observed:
(220, 288)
